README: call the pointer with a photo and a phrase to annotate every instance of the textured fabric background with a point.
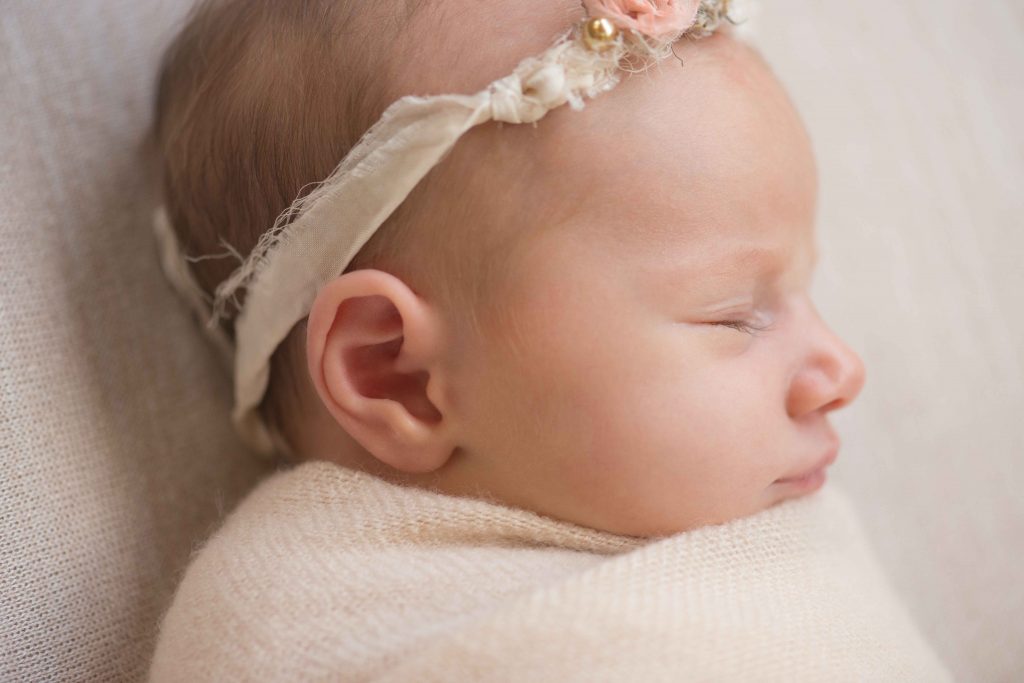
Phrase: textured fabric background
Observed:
(915, 109)
(115, 452)
(114, 455)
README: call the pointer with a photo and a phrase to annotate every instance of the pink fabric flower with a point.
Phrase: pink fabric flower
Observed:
(654, 18)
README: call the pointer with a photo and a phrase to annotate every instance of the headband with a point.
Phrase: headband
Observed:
(316, 238)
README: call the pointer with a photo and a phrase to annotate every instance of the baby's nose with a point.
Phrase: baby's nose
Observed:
(831, 377)
(849, 373)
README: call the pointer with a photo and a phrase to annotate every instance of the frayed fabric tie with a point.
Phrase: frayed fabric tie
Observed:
(514, 100)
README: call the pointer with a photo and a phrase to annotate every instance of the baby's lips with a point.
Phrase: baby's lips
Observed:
(823, 461)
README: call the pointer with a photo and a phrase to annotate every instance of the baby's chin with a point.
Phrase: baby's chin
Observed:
(776, 494)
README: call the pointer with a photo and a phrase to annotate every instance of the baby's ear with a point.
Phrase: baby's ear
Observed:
(374, 350)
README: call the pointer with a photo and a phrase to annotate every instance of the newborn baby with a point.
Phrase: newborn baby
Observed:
(570, 340)
(650, 359)
(603, 318)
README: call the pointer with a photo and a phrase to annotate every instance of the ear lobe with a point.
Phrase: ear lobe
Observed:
(373, 353)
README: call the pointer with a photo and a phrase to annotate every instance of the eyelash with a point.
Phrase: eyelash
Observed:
(742, 326)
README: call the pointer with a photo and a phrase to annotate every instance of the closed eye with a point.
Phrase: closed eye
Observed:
(742, 326)
(737, 325)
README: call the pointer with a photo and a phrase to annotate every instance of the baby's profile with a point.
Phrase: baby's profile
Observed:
(580, 326)
(603, 318)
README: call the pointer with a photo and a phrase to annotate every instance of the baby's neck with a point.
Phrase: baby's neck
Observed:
(320, 438)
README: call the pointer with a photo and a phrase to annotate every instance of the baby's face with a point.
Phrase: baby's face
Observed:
(662, 366)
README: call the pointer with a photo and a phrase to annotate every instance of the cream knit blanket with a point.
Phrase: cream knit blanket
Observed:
(328, 574)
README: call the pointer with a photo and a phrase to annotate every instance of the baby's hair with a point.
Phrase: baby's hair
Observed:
(258, 101)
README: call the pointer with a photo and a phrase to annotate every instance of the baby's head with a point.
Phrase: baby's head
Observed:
(603, 318)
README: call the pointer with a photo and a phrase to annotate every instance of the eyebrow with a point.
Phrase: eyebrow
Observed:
(770, 260)
(729, 260)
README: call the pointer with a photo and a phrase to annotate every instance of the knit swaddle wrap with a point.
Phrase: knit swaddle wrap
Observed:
(316, 238)
(328, 574)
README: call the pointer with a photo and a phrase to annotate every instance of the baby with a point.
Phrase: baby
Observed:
(603, 318)
(543, 387)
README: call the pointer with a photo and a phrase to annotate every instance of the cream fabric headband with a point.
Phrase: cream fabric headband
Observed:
(314, 240)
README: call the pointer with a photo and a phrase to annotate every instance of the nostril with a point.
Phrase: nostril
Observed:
(849, 384)
(834, 405)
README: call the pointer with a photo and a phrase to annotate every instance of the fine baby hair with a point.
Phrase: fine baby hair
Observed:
(323, 230)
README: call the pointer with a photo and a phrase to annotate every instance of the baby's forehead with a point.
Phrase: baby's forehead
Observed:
(718, 115)
(671, 156)
(686, 151)
(704, 160)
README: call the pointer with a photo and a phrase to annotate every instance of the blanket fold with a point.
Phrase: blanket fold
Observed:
(325, 573)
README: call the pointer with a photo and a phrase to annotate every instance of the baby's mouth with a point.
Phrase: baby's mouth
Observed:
(813, 477)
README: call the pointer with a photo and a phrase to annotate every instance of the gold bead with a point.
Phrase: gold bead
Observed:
(600, 33)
